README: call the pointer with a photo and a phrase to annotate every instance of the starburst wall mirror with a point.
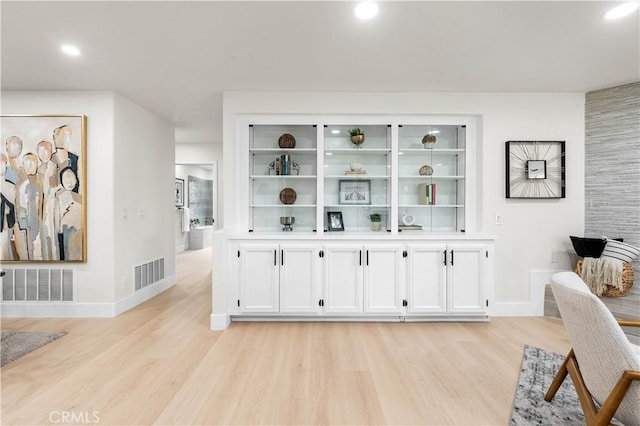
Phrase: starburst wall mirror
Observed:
(535, 169)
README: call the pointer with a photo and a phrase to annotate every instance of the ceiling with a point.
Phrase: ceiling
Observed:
(176, 58)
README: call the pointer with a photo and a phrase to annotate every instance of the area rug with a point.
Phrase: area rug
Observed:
(14, 344)
(537, 371)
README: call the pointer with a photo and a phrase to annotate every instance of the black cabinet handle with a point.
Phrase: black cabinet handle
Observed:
(275, 258)
(445, 257)
(282, 257)
(367, 257)
(451, 257)
(360, 261)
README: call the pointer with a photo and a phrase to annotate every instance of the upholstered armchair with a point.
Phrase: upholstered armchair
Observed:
(604, 366)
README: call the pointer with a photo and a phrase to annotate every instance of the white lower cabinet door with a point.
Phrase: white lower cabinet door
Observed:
(426, 278)
(343, 279)
(382, 278)
(299, 279)
(259, 287)
(466, 278)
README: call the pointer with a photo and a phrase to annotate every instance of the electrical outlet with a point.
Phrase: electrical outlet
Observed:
(498, 220)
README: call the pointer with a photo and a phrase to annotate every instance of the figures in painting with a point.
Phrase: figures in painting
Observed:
(40, 200)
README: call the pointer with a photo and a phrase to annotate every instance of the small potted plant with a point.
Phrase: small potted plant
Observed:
(357, 136)
(376, 221)
(194, 222)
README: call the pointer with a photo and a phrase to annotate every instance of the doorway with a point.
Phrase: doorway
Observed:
(197, 218)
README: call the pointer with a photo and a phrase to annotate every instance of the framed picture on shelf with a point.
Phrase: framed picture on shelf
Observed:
(354, 192)
(179, 192)
(334, 221)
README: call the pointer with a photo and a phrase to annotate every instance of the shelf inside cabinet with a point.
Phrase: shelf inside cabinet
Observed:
(423, 206)
(354, 152)
(295, 206)
(283, 151)
(431, 177)
(283, 177)
(365, 177)
(350, 206)
(417, 151)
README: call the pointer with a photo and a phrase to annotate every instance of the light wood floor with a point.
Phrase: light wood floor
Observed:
(160, 364)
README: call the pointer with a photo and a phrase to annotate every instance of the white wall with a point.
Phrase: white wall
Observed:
(532, 230)
(144, 158)
(125, 145)
(198, 153)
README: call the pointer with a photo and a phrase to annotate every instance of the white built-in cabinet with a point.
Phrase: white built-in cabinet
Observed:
(343, 287)
(278, 278)
(427, 261)
(259, 278)
(414, 185)
(362, 278)
(447, 278)
(346, 279)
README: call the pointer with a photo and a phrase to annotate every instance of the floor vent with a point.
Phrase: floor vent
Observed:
(38, 285)
(149, 273)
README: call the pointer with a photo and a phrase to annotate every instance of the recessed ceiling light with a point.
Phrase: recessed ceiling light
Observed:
(366, 10)
(335, 131)
(622, 10)
(70, 50)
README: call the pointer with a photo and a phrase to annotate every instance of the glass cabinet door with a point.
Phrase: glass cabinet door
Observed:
(282, 178)
(357, 178)
(431, 181)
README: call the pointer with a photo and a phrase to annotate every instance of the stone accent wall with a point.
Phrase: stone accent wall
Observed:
(612, 166)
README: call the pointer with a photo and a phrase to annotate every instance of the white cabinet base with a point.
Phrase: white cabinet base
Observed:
(360, 318)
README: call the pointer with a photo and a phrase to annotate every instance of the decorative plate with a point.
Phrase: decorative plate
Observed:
(426, 170)
(287, 141)
(428, 139)
(288, 196)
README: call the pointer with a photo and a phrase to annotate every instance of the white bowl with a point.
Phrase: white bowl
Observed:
(355, 167)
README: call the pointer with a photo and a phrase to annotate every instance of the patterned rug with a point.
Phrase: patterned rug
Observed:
(14, 344)
(537, 371)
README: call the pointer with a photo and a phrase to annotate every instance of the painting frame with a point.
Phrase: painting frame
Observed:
(44, 157)
(354, 192)
(179, 192)
(334, 221)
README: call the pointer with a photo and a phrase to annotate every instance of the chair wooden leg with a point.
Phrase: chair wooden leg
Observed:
(592, 416)
(586, 401)
(560, 376)
(616, 396)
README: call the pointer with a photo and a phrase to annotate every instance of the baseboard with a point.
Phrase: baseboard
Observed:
(144, 294)
(219, 321)
(83, 310)
(360, 318)
(56, 310)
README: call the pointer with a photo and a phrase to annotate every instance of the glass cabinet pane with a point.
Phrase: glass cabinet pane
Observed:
(431, 181)
(357, 177)
(282, 178)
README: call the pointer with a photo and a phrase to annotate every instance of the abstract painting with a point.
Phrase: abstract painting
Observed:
(43, 188)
